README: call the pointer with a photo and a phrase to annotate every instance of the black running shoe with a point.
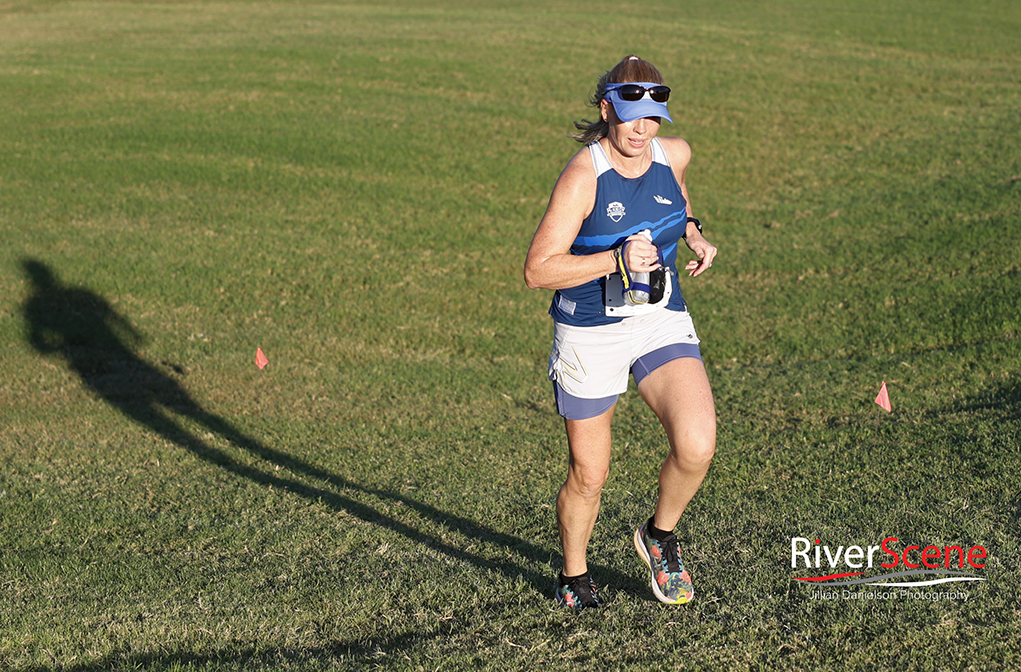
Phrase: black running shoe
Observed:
(577, 593)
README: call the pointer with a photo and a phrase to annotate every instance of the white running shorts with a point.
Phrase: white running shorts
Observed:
(589, 366)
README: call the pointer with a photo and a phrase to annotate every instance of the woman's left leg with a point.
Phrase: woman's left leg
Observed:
(679, 394)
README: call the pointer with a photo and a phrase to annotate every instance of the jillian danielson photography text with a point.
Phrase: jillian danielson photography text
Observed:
(891, 594)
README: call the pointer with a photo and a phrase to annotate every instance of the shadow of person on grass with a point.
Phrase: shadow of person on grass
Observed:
(99, 346)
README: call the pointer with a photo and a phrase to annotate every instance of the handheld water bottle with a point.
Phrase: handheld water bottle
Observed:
(638, 289)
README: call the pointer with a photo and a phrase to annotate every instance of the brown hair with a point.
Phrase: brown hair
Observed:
(631, 69)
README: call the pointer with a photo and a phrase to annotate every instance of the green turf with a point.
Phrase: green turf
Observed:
(352, 187)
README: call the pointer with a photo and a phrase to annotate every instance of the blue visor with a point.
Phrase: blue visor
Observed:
(628, 110)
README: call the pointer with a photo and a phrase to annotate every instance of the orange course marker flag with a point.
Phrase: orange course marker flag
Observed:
(883, 398)
(260, 358)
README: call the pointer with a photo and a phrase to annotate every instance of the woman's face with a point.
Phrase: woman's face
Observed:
(630, 138)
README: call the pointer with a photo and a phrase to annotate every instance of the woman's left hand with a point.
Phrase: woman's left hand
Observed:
(704, 250)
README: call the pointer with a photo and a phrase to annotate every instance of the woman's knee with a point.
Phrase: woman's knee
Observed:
(588, 481)
(695, 453)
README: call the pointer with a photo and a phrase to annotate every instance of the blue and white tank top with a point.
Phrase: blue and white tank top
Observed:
(624, 206)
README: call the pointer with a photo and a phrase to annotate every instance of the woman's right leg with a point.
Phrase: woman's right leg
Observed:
(578, 501)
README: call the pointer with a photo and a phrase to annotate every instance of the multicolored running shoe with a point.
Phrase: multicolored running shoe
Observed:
(577, 593)
(671, 582)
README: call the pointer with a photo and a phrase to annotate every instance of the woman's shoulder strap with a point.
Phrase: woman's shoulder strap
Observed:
(659, 153)
(600, 160)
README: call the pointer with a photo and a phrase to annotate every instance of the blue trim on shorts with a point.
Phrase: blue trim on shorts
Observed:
(649, 362)
(576, 408)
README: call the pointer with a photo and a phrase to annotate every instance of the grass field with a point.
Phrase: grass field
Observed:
(352, 187)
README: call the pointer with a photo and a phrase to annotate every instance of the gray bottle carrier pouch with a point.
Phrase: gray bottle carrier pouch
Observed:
(616, 305)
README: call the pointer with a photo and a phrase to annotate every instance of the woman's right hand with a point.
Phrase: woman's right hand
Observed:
(640, 255)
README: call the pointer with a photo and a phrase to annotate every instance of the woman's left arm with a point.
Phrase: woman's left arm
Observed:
(679, 153)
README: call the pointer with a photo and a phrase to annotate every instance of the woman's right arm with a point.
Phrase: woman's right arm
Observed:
(550, 264)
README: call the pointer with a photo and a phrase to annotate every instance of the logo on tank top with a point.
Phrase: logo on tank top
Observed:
(663, 201)
(615, 211)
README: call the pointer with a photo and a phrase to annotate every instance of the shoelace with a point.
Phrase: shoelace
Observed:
(671, 554)
(584, 591)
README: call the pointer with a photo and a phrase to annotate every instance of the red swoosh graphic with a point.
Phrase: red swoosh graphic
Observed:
(827, 578)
